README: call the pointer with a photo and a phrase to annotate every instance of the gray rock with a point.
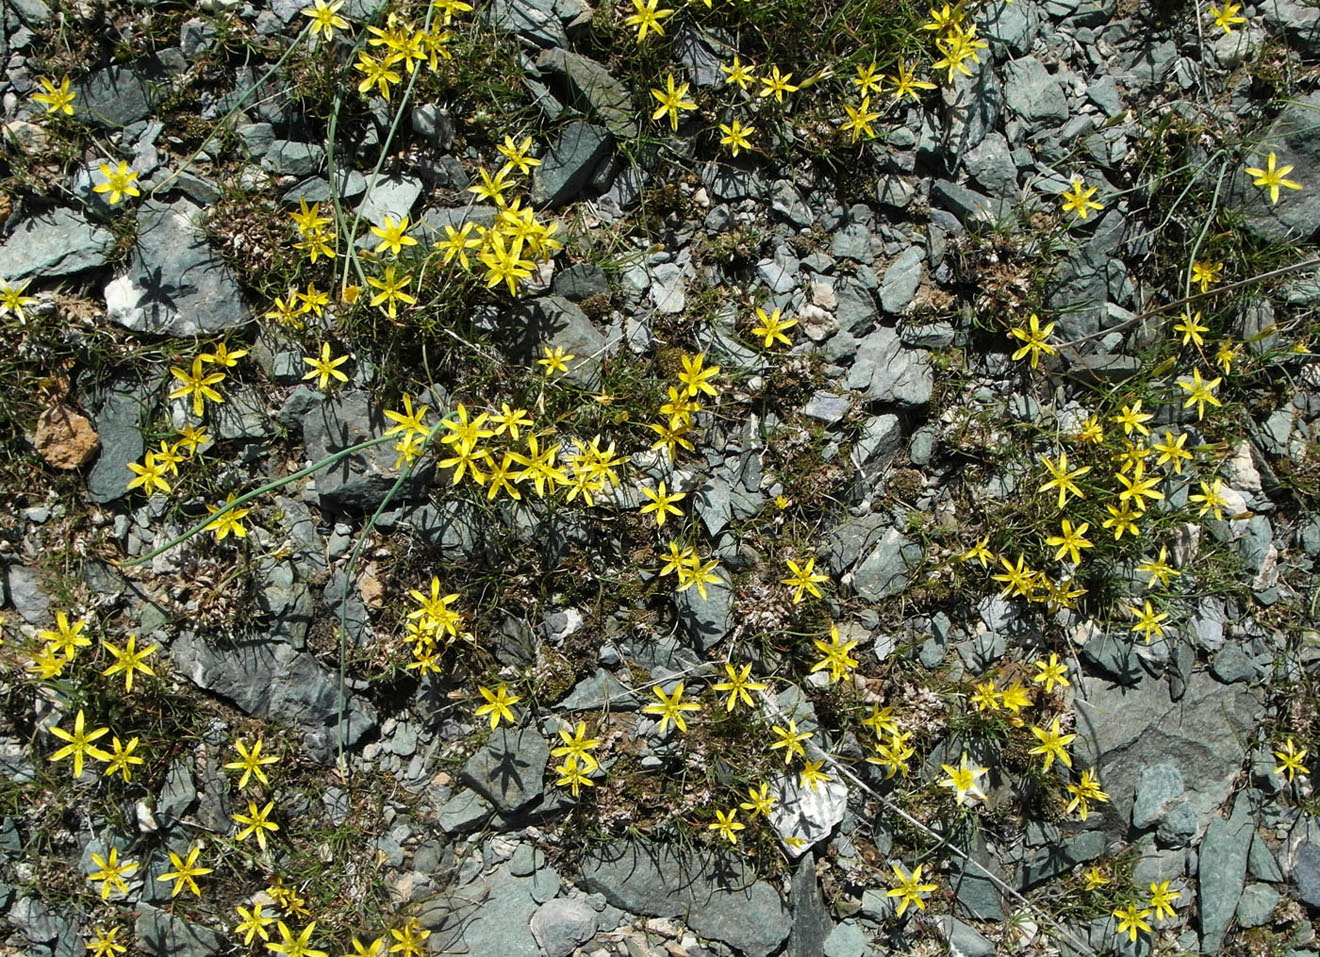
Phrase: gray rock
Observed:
(465, 811)
(289, 157)
(581, 281)
(974, 106)
(196, 36)
(695, 51)
(777, 275)
(556, 322)
(1158, 786)
(539, 23)
(561, 925)
(718, 893)
(454, 527)
(178, 794)
(242, 415)
(162, 934)
(855, 309)
(117, 424)
(570, 163)
(1256, 905)
(508, 769)
(991, 165)
(668, 290)
(349, 184)
(35, 921)
(827, 407)
(1233, 664)
(118, 95)
(491, 915)
(1295, 142)
(853, 241)
(1015, 25)
(593, 89)
(847, 940)
(885, 572)
(786, 201)
(269, 679)
(599, 691)
(1121, 731)
(31, 12)
(1298, 19)
(1306, 873)
(433, 124)
(878, 442)
(1033, 93)
(969, 206)
(811, 918)
(885, 371)
(392, 196)
(1149, 63)
(175, 283)
(1222, 871)
(963, 938)
(1079, 288)
(1050, 862)
(26, 594)
(707, 619)
(357, 483)
(902, 279)
(805, 812)
(1179, 826)
(59, 242)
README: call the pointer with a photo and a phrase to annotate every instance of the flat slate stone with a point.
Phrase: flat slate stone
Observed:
(508, 771)
(716, 894)
(59, 242)
(175, 283)
(269, 679)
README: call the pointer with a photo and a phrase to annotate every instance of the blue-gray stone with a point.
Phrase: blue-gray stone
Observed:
(117, 424)
(1256, 905)
(593, 90)
(568, 166)
(58, 242)
(290, 157)
(885, 371)
(175, 284)
(902, 279)
(811, 917)
(392, 196)
(490, 915)
(562, 925)
(1222, 871)
(886, 570)
(847, 940)
(1158, 785)
(117, 95)
(508, 770)
(162, 934)
(827, 407)
(719, 894)
(465, 811)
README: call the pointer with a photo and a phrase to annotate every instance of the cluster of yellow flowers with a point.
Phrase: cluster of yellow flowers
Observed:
(517, 243)
(432, 627)
(197, 383)
(400, 43)
(955, 39)
(59, 649)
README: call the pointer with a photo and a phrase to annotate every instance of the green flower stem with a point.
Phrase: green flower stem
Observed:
(249, 496)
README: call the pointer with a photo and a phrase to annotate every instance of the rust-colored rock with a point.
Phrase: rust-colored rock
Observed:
(65, 438)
